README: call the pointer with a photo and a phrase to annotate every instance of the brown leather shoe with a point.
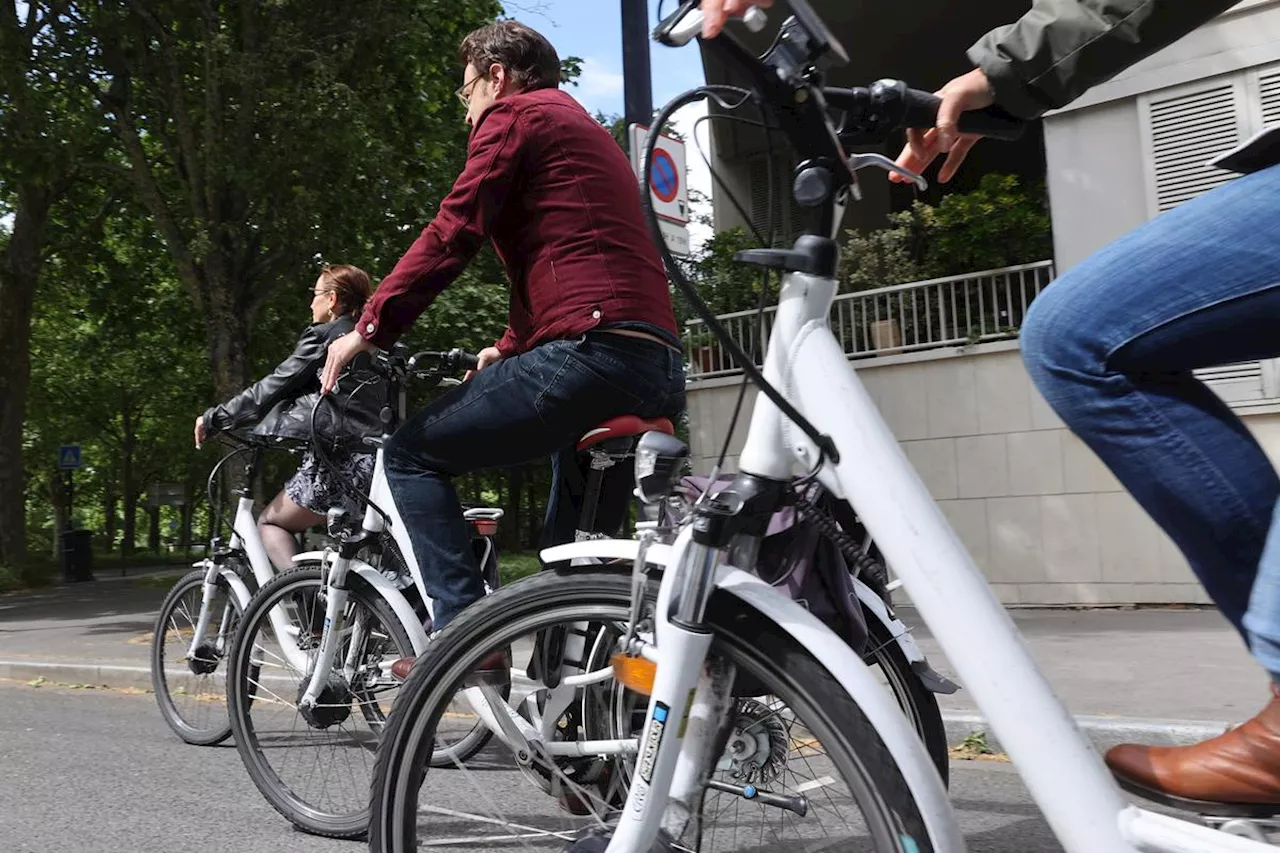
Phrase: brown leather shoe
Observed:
(1237, 772)
(494, 668)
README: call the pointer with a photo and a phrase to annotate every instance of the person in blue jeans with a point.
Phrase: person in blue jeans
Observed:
(1112, 343)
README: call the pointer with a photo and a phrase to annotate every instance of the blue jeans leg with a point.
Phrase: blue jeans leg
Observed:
(1111, 346)
(516, 411)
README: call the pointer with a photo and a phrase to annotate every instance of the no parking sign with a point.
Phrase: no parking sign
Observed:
(668, 185)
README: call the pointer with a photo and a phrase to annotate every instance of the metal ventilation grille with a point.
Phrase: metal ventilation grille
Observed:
(1235, 383)
(1269, 95)
(1187, 132)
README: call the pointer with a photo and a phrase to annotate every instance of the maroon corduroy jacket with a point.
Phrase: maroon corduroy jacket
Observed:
(557, 197)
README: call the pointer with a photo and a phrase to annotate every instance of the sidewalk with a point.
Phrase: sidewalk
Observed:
(1170, 676)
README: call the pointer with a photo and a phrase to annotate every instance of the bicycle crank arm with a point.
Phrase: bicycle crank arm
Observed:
(799, 805)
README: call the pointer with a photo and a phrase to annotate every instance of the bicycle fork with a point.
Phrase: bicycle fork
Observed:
(333, 584)
(686, 710)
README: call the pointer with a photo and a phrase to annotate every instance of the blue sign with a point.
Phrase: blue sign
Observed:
(69, 457)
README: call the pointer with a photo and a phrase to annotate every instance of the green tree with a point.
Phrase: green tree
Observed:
(262, 137)
(118, 366)
(48, 140)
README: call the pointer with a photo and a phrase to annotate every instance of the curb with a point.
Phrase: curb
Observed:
(97, 675)
(1102, 732)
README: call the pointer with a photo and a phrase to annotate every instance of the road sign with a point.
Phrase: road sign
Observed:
(68, 457)
(668, 185)
(166, 494)
(668, 178)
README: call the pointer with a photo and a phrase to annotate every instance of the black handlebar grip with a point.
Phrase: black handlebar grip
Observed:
(462, 359)
(922, 112)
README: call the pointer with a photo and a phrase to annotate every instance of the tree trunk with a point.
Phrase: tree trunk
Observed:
(109, 501)
(227, 331)
(515, 490)
(58, 498)
(153, 530)
(128, 485)
(19, 275)
(188, 510)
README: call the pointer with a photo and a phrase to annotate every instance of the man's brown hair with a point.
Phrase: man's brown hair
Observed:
(529, 58)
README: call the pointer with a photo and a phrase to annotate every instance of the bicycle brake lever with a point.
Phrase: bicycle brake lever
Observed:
(862, 161)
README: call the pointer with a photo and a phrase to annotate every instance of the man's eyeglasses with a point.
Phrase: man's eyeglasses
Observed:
(464, 91)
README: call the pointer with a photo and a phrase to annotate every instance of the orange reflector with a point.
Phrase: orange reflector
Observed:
(634, 673)
(485, 527)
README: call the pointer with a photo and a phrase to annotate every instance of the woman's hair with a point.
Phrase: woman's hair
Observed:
(350, 284)
(529, 58)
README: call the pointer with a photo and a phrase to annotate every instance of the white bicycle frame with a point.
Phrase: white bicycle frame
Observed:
(245, 536)
(1064, 775)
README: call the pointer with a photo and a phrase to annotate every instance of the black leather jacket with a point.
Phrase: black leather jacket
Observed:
(279, 405)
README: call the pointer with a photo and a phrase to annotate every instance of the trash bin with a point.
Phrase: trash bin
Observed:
(77, 556)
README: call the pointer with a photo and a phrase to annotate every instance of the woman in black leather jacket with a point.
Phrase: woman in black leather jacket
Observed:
(280, 404)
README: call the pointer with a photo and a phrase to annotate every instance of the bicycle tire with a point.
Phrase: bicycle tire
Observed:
(918, 702)
(240, 694)
(191, 733)
(750, 637)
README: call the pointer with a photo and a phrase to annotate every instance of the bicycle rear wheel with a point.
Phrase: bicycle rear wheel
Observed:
(804, 743)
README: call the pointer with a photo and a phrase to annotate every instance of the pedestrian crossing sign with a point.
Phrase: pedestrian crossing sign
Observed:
(69, 457)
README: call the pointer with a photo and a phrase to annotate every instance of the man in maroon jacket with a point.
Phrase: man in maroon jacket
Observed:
(591, 334)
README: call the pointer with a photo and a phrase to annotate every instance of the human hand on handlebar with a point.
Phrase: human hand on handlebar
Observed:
(971, 91)
(341, 352)
(200, 431)
(716, 12)
(486, 356)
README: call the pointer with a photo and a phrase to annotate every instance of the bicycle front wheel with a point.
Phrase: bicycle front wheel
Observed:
(802, 766)
(191, 684)
(313, 764)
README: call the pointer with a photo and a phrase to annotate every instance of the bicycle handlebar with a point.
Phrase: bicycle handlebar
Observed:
(788, 77)
(888, 105)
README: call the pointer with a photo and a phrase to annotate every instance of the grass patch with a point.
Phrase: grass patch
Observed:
(975, 748)
(512, 567)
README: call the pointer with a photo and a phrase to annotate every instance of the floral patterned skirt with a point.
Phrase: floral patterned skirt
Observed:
(317, 486)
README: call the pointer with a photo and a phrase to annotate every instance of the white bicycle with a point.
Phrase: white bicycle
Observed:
(198, 618)
(704, 711)
(309, 681)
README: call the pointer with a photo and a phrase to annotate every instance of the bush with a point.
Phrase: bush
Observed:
(999, 224)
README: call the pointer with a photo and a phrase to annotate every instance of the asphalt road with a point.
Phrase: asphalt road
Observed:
(98, 770)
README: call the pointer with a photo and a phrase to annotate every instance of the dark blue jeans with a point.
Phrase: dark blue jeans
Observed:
(524, 407)
(1111, 346)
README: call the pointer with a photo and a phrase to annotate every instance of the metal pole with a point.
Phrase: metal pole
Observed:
(637, 85)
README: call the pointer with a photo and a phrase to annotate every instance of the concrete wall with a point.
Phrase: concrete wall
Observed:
(1041, 515)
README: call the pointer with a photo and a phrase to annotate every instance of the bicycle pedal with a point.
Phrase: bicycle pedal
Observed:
(1255, 829)
(1262, 813)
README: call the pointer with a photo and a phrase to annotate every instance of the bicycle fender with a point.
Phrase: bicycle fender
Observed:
(388, 592)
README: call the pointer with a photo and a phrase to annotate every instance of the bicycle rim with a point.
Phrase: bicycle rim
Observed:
(796, 739)
(191, 690)
(314, 768)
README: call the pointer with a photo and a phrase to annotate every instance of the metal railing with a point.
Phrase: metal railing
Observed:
(953, 311)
